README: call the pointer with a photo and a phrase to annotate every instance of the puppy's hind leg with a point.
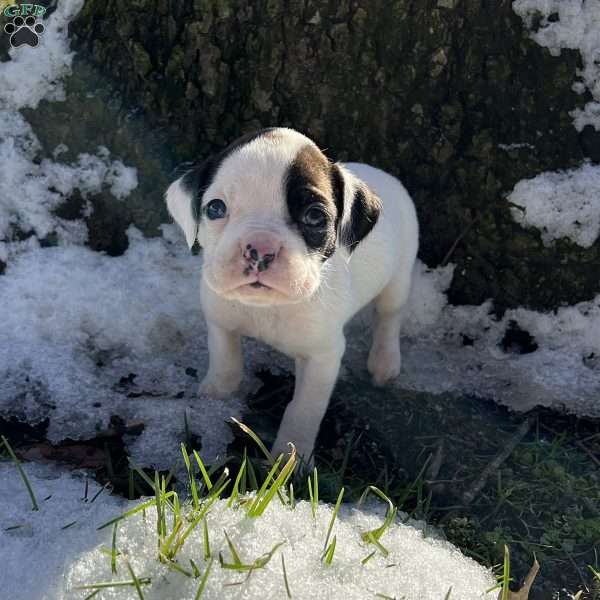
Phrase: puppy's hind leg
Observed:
(384, 358)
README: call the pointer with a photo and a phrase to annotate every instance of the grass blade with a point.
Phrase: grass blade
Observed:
(263, 489)
(131, 512)
(208, 504)
(281, 480)
(313, 492)
(235, 493)
(203, 470)
(17, 462)
(375, 535)
(204, 580)
(285, 578)
(113, 551)
(367, 558)
(333, 517)
(192, 479)
(136, 581)
(195, 568)
(256, 439)
(328, 556)
(206, 540)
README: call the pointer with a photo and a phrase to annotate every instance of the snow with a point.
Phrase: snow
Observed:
(69, 335)
(36, 550)
(88, 336)
(77, 322)
(458, 350)
(30, 192)
(516, 146)
(408, 569)
(575, 25)
(419, 565)
(561, 204)
(44, 66)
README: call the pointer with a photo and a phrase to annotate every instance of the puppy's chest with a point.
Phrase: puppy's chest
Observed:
(289, 332)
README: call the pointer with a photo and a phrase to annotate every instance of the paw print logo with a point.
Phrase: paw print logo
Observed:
(24, 31)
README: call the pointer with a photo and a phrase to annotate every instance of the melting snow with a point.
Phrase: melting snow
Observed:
(458, 349)
(561, 204)
(419, 566)
(86, 336)
(573, 24)
(36, 551)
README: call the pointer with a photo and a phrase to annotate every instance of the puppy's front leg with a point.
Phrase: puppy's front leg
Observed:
(225, 362)
(315, 380)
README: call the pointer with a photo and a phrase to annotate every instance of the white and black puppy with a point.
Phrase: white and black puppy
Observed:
(293, 246)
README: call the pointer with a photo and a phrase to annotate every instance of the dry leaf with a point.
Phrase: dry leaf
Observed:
(523, 593)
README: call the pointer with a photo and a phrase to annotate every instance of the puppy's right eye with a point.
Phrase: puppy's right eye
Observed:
(215, 209)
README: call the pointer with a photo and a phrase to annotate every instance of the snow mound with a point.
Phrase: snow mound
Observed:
(417, 567)
(561, 204)
(573, 24)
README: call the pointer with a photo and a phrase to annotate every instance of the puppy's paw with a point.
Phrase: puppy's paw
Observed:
(384, 364)
(221, 386)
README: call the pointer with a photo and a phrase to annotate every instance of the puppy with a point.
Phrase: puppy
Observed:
(294, 246)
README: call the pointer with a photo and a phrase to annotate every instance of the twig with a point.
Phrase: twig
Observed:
(458, 240)
(583, 447)
(470, 495)
(572, 560)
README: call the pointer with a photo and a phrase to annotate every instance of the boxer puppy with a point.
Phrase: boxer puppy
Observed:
(293, 246)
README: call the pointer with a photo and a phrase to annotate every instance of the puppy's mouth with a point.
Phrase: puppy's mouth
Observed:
(253, 287)
(257, 285)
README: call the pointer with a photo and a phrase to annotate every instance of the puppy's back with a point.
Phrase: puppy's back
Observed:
(390, 249)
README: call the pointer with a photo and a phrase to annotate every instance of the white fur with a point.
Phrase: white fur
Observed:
(307, 322)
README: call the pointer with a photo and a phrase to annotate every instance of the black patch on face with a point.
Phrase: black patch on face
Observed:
(198, 178)
(364, 212)
(313, 180)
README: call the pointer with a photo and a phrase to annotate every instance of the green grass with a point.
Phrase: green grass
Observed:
(176, 519)
(519, 487)
(13, 456)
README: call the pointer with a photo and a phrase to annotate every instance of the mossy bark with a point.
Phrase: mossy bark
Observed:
(429, 90)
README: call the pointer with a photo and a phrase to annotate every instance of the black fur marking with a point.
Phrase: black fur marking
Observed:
(337, 184)
(309, 181)
(364, 214)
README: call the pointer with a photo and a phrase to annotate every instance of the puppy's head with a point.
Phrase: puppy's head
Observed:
(269, 211)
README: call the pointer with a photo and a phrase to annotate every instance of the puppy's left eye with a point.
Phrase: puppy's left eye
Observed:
(215, 209)
(314, 217)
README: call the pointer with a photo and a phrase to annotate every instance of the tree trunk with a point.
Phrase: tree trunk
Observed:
(429, 90)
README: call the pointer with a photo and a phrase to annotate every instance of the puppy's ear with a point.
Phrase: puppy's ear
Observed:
(360, 208)
(184, 199)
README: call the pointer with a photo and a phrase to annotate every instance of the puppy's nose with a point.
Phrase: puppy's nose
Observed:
(260, 253)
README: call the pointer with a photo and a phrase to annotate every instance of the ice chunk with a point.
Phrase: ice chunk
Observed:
(560, 204)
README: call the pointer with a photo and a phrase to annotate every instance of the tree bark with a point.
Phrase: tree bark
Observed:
(428, 90)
